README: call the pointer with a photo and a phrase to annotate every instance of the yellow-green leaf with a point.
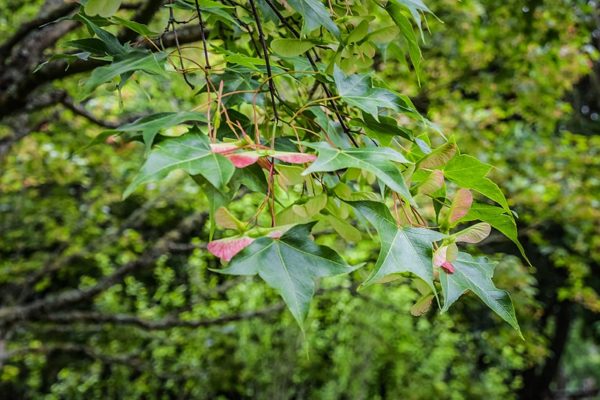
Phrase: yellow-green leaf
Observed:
(291, 47)
(103, 8)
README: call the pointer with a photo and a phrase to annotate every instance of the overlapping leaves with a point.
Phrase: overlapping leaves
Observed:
(191, 153)
(475, 274)
(290, 265)
(380, 161)
(314, 14)
(358, 91)
(403, 249)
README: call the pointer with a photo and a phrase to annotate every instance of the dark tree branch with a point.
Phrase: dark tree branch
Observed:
(66, 347)
(163, 324)
(20, 124)
(73, 296)
(591, 393)
(32, 25)
(133, 362)
(135, 219)
(21, 129)
(147, 10)
(16, 97)
(81, 111)
(45, 100)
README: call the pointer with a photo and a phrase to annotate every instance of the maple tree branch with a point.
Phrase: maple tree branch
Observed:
(18, 93)
(36, 23)
(73, 296)
(147, 324)
(81, 111)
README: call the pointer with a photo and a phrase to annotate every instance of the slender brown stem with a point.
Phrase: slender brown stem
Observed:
(202, 35)
(263, 42)
(313, 64)
(171, 25)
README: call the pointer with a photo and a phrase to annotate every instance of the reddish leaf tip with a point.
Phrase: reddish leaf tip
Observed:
(448, 267)
(242, 160)
(461, 205)
(295, 158)
(226, 249)
(221, 148)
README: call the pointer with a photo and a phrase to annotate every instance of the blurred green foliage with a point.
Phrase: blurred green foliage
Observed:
(497, 73)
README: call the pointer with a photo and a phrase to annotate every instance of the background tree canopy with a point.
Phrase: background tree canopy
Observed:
(155, 155)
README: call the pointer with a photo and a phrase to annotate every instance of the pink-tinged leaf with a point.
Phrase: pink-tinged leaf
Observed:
(295, 158)
(439, 257)
(221, 148)
(422, 305)
(225, 249)
(439, 157)
(445, 255)
(279, 231)
(434, 182)
(242, 160)
(460, 205)
(475, 233)
(276, 234)
(448, 267)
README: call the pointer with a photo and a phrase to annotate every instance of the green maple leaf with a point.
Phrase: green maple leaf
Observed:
(290, 264)
(378, 160)
(152, 63)
(416, 7)
(103, 8)
(190, 152)
(357, 91)
(403, 23)
(500, 219)
(109, 43)
(402, 249)
(314, 14)
(150, 125)
(470, 173)
(475, 274)
(291, 47)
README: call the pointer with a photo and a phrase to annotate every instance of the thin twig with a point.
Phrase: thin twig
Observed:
(171, 25)
(313, 64)
(202, 35)
(81, 111)
(263, 42)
